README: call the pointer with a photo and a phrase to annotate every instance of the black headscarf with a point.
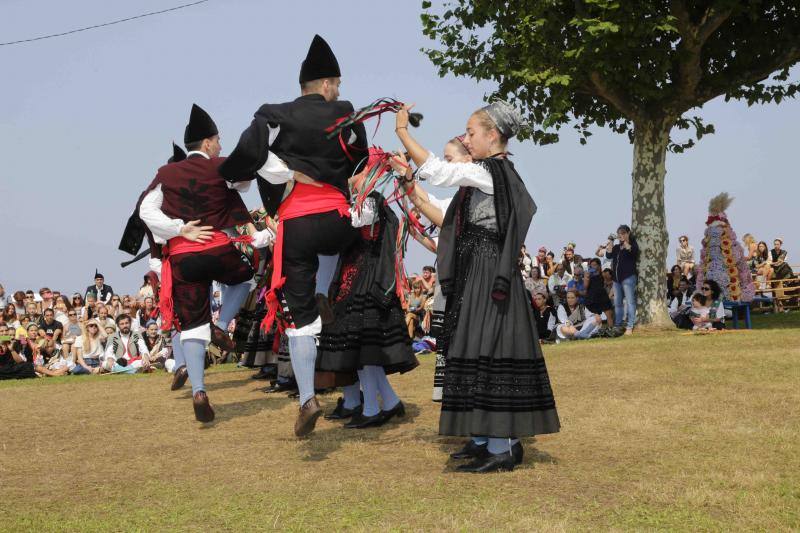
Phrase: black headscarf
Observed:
(514, 209)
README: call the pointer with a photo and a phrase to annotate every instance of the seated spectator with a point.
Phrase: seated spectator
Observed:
(699, 312)
(10, 317)
(416, 307)
(597, 300)
(102, 317)
(125, 347)
(750, 249)
(578, 283)
(146, 290)
(22, 329)
(551, 263)
(716, 310)
(780, 268)
(61, 306)
(544, 315)
(574, 320)
(90, 307)
(568, 259)
(57, 361)
(428, 280)
(145, 314)
(535, 283)
(557, 284)
(78, 304)
(72, 330)
(2, 298)
(156, 344)
(115, 307)
(50, 328)
(30, 347)
(89, 348)
(19, 302)
(673, 280)
(540, 262)
(47, 298)
(685, 256)
(680, 305)
(32, 310)
(525, 262)
(763, 265)
(13, 365)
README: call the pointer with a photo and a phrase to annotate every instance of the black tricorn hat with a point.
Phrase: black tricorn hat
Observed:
(177, 154)
(320, 62)
(200, 126)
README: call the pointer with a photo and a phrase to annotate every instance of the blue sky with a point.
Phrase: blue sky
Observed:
(86, 119)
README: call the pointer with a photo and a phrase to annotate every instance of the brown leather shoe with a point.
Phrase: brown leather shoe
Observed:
(179, 379)
(325, 309)
(203, 411)
(221, 339)
(307, 418)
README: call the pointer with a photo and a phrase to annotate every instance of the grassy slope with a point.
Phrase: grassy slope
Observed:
(668, 431)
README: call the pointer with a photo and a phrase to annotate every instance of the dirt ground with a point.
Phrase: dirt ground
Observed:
(659, 431)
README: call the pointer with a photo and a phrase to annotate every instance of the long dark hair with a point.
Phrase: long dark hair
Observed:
(762, 256)
(716, 290)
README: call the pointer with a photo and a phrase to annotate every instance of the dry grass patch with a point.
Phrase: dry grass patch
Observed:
(660, 431)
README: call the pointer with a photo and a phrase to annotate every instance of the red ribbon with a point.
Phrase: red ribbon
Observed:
(177, 246)
(302, 201)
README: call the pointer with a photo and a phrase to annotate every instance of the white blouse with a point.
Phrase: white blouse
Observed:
(440, 173)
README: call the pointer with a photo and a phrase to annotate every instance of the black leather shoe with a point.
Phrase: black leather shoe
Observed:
(398, 410)
(266, 372)
(471, 450)
(490, 463)
(517, 453)
(359, 421)
(341, 412)
(281, 386)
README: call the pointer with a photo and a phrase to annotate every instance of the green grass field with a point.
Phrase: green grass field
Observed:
(668, 431)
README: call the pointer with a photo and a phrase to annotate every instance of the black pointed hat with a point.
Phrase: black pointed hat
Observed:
(200, 126)
(98, 274)
(320, 62)
(177, 154)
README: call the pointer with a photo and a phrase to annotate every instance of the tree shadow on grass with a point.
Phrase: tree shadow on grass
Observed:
(320, 444)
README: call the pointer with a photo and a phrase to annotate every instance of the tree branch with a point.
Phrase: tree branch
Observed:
(689, 50)
(616, 98)
(723, 82)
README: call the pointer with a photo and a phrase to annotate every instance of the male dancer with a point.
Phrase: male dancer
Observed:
(314, 218)
(197, 252)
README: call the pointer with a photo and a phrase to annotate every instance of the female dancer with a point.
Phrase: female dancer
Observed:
(434, 209)
(368, 334)
(496, 386)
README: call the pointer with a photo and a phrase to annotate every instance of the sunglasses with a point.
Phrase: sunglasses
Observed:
(92, 325)
(71, 314)
(706, 288)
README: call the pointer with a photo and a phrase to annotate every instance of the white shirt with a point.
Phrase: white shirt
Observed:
(555, 281)
(125, 339)
(440, 173)
(440, 203)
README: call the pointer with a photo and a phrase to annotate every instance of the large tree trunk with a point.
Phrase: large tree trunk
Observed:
(649, 220)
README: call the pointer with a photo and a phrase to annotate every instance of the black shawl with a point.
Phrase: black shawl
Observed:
(514, 209)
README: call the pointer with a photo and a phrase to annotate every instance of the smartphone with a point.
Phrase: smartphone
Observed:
(6, 338)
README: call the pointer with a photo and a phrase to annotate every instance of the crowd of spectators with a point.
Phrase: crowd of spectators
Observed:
(52, 334)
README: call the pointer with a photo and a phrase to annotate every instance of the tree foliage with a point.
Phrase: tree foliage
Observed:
(617, 63)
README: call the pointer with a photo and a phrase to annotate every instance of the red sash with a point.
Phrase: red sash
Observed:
(303, 200)
(177, 246)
